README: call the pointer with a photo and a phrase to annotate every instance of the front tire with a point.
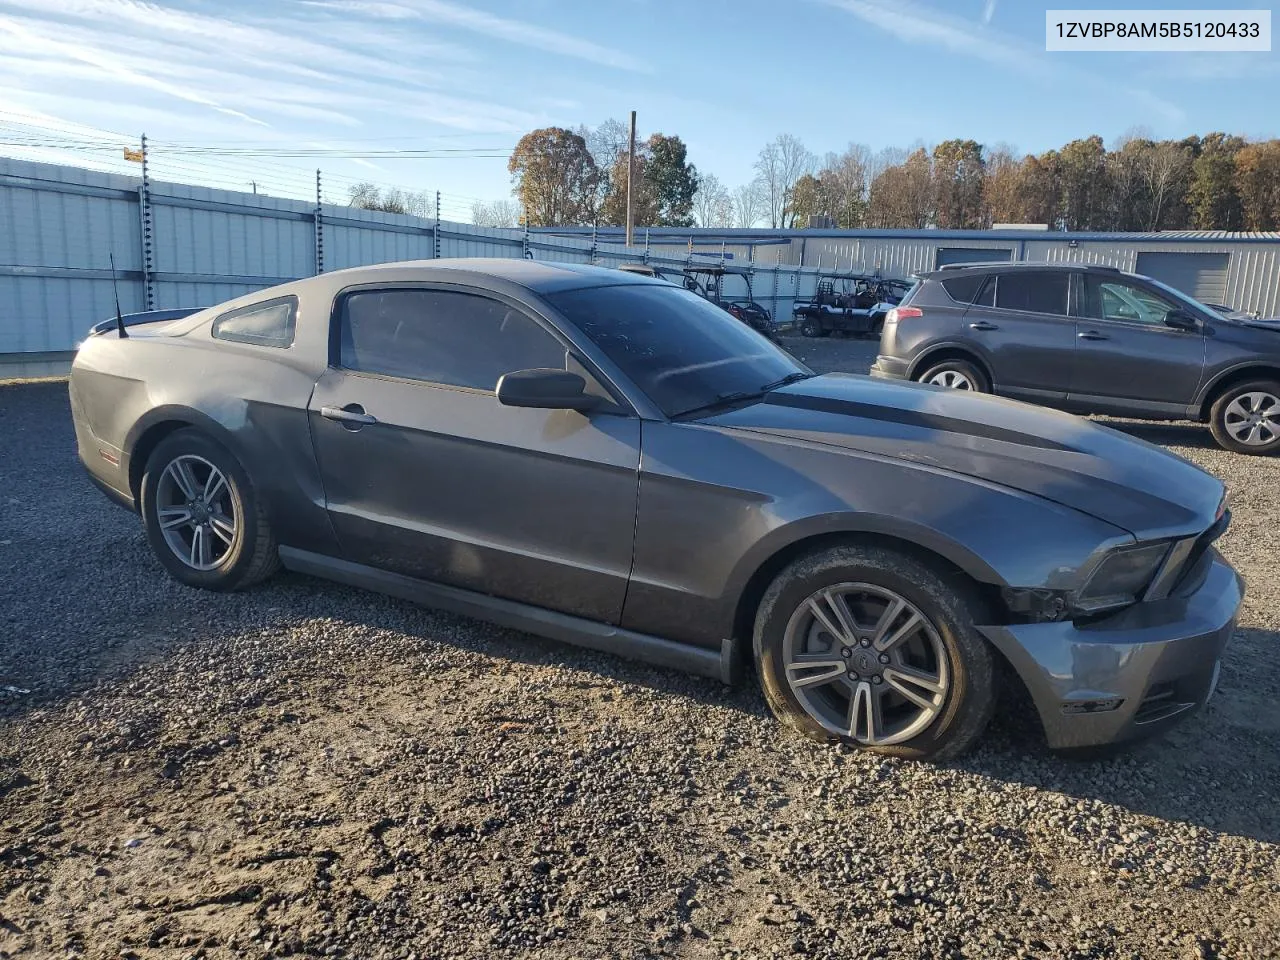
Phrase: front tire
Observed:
(872, 647)
(205, 523)
(809, 328)
(1246, 418)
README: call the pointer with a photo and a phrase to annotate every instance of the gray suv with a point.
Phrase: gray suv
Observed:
(1089, 339)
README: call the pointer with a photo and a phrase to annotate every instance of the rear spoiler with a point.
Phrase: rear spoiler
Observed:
(136, 319)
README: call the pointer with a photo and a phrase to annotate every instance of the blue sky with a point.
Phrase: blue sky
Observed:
(726, 75)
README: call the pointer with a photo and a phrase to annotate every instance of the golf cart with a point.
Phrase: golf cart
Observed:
(849, 304)
(708, 282)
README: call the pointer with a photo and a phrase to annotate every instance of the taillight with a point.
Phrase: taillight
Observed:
(902, 313)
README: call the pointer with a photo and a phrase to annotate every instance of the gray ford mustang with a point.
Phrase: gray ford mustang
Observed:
(611, 460)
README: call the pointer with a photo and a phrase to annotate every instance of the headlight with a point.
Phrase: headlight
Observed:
(1121, 577)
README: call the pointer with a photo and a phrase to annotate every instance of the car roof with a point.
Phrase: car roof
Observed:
(1007, 266)
(540, 276)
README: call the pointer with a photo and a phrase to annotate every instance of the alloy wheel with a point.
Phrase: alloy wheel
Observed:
(952, 379)
(866, 663)
(1253, 419)
(197, 514)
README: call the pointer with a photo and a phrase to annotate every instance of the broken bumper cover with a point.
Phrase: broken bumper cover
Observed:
(1130, 675)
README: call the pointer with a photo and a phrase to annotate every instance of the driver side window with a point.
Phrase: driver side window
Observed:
(441, 336)
(1122, 302)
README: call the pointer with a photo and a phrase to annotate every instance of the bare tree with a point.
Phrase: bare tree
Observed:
(748, 204)
(712, 204)
(781, 163)
(1164, 169)
(500, 213)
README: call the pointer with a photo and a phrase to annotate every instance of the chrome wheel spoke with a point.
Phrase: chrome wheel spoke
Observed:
(213, 487)
(181, 474)
(829, 609)
(892, 627)
(171, 517)
(201, 549)
(223, 528)
(923, 690)
(814, 669)
(865, 723)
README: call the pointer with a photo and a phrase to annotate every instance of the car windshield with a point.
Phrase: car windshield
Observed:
(682, 351)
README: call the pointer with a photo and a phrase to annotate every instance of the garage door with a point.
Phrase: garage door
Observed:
(948, 255)
(1202, 275)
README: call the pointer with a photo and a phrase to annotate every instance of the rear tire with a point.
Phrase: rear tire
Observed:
(846, 688)
(1246, 418)
(956, 375)
(204, 521)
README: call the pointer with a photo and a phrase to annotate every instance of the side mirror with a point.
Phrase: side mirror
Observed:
(1181, 320)
(545, 389)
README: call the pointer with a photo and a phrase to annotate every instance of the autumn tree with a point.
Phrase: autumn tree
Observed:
(1257, 181)
(556, 179)
(901, 195)
(1212, 195)
(844, 186)
(1002, 186)
(1084, 200)
(958, 171)
(809, 198)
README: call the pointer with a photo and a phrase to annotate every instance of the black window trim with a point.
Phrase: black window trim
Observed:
(620, 398)
(253, 341)
(995, 299)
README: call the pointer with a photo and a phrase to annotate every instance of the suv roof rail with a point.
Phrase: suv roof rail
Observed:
(1030, 265)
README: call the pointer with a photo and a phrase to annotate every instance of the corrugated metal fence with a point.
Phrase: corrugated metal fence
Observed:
(186, 246)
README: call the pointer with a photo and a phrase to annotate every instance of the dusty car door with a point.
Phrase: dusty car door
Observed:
(1128, 358)
(426, 474)
(1026, 333)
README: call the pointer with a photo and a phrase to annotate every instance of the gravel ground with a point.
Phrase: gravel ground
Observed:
(309, 769)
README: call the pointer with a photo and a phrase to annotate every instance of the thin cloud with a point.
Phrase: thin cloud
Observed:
(489, 25)
(988, 11)
(916, 24)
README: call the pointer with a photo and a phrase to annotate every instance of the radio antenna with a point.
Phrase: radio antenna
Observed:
(115, 291)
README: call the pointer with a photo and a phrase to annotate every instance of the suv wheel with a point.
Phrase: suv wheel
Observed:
(956, 375)
(809, 328)
(1246, 418)
(874, 648)
(204, 521)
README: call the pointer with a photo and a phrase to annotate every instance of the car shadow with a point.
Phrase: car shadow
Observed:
(1218, 769)
(1195, 436)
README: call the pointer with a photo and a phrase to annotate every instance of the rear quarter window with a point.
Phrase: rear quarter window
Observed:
(964, 289)
(268, 324)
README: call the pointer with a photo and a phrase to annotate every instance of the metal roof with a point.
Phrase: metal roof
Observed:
(759, 235)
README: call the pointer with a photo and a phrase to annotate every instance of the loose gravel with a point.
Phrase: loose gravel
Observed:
(306, 769)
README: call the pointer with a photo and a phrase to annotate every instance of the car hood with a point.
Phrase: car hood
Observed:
(1129, 483)
(1263, 323)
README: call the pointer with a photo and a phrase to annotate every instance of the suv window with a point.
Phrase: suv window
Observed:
(965, 288)
(1118, 300)
(441, 336)
(267, 324)
(1036, 291)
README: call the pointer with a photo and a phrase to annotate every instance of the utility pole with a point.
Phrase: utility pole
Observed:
(631, 176)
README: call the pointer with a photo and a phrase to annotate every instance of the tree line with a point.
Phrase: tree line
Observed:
(563, 177)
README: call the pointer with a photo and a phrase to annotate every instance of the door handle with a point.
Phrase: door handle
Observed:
(983, 325)
(1092, 335)
(352, 413)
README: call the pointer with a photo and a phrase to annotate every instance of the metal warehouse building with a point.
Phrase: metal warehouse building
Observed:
(1238, 269)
